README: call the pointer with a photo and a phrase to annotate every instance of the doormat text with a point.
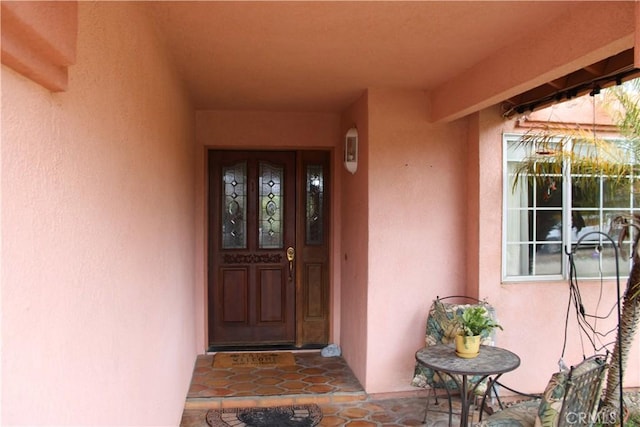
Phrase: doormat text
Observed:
(253, 360)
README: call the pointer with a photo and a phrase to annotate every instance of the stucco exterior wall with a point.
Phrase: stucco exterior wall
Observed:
(104, 219)
(417, 187)
(473, 221)
(98, 235)
(435, 221)
(532, 313)
(354, 238)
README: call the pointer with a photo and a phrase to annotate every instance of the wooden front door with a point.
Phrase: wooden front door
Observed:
(268, 263)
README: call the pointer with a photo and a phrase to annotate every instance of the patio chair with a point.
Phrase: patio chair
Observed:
(570, 399)
(441, 328)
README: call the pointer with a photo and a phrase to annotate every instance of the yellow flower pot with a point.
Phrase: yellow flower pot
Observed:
(467, 347)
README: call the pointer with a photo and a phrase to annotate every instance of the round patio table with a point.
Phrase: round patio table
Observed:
(492, 360)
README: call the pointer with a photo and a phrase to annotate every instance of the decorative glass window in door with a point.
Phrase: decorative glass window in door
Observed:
(270, 197)
(234, 206)
(314, 205)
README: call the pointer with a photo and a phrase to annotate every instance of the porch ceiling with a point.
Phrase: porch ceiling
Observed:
(321, 56)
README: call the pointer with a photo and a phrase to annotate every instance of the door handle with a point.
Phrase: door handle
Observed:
(291, 255)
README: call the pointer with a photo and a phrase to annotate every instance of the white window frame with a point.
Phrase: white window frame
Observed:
(566, 208)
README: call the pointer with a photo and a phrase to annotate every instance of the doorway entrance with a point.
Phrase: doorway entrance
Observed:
(268, 249)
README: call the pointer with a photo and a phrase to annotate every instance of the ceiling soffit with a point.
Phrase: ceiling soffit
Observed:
(321, 56)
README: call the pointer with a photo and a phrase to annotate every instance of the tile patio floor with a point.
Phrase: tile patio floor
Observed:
(328, 382)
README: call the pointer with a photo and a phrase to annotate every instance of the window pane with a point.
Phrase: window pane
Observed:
(584, 223)
(548, 261)
(548, 191)
(314, 205)
(517, 259)
(635, 195)
(234, 206)
(270, 195)
(527, 260)
(585, 191)
(598, 260)
(518, 225)
(548, 227)
(617, 193)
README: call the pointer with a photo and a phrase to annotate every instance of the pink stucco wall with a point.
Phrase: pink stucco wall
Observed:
(535, 310)
(98, 235)
(354, 241)
(104, 219)
(434, 214)
(416, 221)
(39, 40)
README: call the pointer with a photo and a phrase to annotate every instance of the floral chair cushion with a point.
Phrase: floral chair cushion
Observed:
(519, 415)
(442, 328)
(552, 400)
(578, 396)
(576, 391)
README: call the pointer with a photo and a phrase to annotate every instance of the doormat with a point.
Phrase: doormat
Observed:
(281, 416)
(253, 360)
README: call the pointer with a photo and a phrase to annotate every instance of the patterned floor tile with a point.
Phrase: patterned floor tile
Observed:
(329, 382)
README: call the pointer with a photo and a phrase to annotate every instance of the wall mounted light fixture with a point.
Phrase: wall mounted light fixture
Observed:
(351, 150)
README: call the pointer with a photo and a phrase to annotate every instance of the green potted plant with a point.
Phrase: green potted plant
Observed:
(474, 324)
